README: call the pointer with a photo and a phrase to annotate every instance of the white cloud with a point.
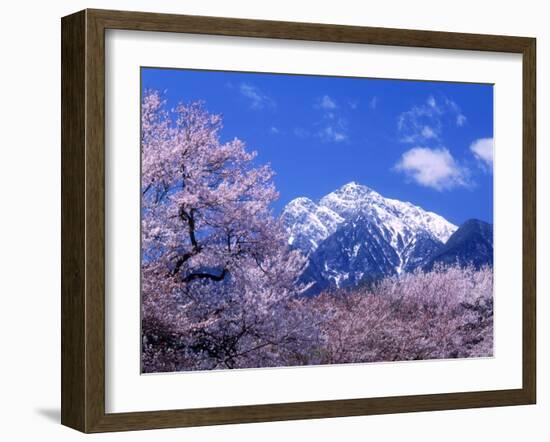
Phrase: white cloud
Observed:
(428, 132)
(258, 99)
(325, 102)
(460, 120)
(333, 127)
(455, 110)
(420, 123)
(483, 151)
(434, 168)
(329, 133)
(373, 102)
(425, 122)
(274, 130)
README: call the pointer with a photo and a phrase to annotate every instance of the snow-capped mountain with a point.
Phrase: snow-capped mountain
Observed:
(401, 218)
(471, 244)
(355, 234)
(309, 223)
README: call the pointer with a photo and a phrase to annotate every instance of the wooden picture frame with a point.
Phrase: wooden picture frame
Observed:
(83, 220)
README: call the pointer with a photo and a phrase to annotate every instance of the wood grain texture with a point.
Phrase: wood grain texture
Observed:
(95, 221)
(73, 128)
(144, 21)
(83, 220)
(529, 220)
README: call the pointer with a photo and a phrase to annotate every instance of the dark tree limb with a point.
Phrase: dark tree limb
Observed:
(190, 219)
(204, 275)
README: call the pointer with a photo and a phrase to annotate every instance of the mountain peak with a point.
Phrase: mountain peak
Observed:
(474, 223)
(310, 222)
(349, 198)
(354, 187)
(471, 243)
(351, 185)
(299, 203)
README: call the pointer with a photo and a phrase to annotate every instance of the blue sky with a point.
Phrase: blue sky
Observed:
(430, 143)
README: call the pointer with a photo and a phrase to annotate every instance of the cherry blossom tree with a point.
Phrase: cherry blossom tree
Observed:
(444, 313)
(218, 279)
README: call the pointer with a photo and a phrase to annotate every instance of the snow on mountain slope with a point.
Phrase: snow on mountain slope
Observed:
(398, 216)
(355, 232)
(308, 223)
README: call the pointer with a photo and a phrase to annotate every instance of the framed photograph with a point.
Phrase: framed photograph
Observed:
(267, 221)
